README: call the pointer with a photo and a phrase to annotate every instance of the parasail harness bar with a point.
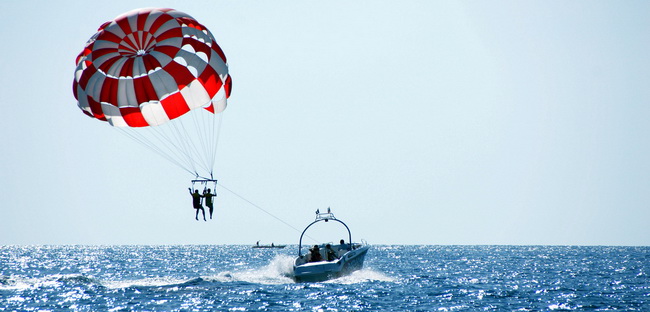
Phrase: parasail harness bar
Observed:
(204, 182)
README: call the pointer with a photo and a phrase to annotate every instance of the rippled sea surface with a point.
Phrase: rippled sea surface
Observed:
(395, 278)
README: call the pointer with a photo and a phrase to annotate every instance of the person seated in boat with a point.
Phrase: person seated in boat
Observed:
(315, 254)
(343, 245)
(331, 255)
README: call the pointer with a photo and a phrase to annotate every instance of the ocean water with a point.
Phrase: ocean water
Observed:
(395, 278)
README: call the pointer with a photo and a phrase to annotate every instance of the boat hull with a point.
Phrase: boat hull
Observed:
(269, 246)
(325, 270)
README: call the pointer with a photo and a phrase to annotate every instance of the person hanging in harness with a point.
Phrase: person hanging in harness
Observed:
(209, 201)
(196, 201)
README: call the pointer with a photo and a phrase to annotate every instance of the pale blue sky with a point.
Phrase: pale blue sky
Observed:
(418, 122)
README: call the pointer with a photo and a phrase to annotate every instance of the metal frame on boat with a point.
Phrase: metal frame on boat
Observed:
(328, 261)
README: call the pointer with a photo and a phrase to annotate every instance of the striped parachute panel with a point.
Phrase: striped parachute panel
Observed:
(150, 66)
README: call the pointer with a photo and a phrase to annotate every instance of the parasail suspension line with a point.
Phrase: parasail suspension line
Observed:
(151, 146)
(189, 142)
(216, 134)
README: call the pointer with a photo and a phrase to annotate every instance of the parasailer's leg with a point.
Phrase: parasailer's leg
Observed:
(203, 211)
(197, 214)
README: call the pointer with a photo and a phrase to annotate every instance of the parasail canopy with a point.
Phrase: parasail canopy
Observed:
(159, 70)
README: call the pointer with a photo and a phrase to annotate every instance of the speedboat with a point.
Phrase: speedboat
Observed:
(257, 245)
(328, 261)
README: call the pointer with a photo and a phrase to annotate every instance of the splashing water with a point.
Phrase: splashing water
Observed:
(278, 271)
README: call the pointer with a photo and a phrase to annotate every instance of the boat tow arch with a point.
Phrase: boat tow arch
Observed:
(323, 217)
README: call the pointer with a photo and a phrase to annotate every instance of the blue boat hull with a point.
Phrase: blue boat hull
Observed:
(325, 270)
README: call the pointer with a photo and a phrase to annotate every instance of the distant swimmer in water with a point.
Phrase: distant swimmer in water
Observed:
(208, 200)
(196, 200)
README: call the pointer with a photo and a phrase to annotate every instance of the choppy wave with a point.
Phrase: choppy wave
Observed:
(395, 278)
(152, 282)
(52, 281)
(279, 270)
(362, 276)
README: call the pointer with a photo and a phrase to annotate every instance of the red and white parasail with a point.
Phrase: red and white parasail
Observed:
(151, 67)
